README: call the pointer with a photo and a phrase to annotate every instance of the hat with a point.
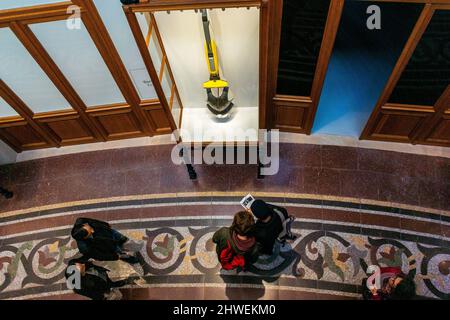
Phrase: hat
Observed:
(260, 209)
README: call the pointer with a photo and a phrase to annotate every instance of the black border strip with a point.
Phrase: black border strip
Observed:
(203, 279)
(314, 226)
(232, 199)
(188, 280)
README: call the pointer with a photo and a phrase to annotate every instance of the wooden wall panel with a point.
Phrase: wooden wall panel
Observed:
(158, 117)
(25, 113)
(400, 126)
(165, 5)
(305, 113)
(416, 124)
(392, 122)
(80, 125)
(165, 115)
(117, 122)
(71, 131)
(34, 14)
(437, 130)
(21, 136)
(43, 59)
(120, 125)
(291, 113)
(106, 48)
(67, 127)
(290, 118)
(441, 132)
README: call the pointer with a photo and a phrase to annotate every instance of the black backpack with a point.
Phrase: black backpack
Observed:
(286, 221)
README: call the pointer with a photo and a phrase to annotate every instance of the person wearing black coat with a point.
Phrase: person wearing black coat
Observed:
(94, 280)
(268, 226)
(97, 240)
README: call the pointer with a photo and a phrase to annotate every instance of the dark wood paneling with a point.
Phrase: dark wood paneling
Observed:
(108, 51)
(407, 122)
(304, 114)
(291, 118)
(158, 117)
(266, 54)
(270, 34)
(67, 126)
(399, 125)
(25, 112)
(71, 131)
(165, 115)
(427, 73)
(21, 136)
(441, 132)
(34, 14)
(166, 64)
(291, 113)
(163, 5)
(117, 122)
(40, 55)
(80, 125)
(120, 125)
(437, 130)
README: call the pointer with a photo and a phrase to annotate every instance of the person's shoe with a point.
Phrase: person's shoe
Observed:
(115, 294)
(140, 282)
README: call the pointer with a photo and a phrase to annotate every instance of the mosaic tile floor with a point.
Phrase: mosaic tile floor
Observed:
(336, 242)
(354, 207)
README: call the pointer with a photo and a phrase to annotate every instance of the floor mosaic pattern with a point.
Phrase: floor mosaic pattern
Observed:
(354, 207)
(335, 245)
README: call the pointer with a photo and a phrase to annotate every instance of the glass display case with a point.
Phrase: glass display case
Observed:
(175, 45)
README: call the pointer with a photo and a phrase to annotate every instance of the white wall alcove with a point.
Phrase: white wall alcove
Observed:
(236, 33)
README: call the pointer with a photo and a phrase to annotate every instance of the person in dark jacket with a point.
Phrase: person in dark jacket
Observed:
(97, 240)
(395, 285)
(94, 280)
(234, 248)
(268, 226)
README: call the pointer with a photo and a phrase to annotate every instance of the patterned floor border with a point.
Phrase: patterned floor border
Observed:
(327, 256)
(206, 285)
(218, 196)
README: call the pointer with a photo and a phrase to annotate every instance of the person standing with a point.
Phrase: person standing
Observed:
(234, 247)
(94, 281)
(395, 285)
(272, 223)
(97, 240)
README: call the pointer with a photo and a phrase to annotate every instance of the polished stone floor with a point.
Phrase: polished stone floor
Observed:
(354, 207)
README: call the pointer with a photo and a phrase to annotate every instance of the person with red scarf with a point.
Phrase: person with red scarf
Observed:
(395, 285)
(235, 248)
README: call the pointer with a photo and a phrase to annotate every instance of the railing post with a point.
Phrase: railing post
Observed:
(7, 194)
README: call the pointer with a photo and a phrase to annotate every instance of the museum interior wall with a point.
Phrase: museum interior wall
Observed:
(282, 61)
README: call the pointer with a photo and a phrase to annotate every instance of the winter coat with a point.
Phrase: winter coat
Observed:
(232, 252)
(105, 243)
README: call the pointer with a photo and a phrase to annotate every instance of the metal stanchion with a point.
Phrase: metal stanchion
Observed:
(189, 166)
(7, 194)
